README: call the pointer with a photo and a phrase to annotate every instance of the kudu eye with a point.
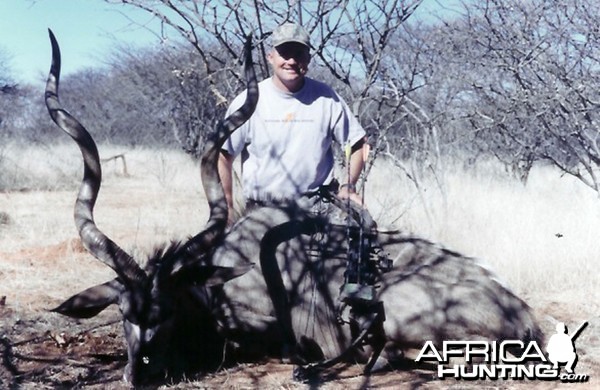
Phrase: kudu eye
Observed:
(145, 360)
(149, 334)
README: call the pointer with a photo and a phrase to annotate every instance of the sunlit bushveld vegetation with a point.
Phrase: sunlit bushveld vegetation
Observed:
(483, 122)
(483, 118)
(497, 79)
(538, 237)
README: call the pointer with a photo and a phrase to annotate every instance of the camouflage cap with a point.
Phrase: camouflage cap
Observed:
(290, 32)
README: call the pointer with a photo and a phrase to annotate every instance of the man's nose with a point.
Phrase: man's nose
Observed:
(292, 60)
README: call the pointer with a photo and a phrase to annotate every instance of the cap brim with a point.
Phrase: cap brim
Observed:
(292, 41)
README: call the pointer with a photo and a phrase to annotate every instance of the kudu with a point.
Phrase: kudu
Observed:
(278, 274)
(154, 301)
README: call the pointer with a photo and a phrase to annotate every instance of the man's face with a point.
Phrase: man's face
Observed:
(290, 63)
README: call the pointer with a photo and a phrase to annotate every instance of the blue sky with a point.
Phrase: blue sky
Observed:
(85, 29)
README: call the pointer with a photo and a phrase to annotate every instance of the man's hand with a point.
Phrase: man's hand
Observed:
(348, 191)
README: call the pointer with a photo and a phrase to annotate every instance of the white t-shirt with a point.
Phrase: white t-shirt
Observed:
(287, 143)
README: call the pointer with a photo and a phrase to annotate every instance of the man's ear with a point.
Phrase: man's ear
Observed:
(270, 56)
(308, 62)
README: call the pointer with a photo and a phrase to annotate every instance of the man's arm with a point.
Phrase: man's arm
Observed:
(357, 163)
(225, 168)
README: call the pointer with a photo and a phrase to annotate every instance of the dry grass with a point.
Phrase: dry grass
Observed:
(542, 238)
(161, 199)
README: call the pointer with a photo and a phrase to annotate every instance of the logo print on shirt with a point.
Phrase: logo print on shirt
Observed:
(290, 117)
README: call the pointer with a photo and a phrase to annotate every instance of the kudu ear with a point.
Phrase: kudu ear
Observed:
(91, 301)
(210, 275)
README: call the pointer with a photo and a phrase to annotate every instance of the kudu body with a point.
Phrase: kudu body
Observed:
(429, 293)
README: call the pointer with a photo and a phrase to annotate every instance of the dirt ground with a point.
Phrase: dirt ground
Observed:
(42, 264)
(43, 350)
